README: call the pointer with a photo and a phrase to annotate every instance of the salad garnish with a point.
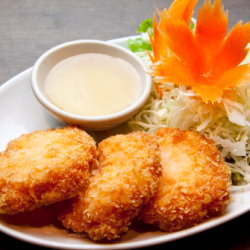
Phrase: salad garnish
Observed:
(204, 60)
(201, 76)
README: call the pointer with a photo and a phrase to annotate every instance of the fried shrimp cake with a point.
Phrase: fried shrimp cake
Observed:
(44, 167)
(195, 181)
(128, 177)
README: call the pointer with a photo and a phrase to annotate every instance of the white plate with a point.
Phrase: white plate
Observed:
(21, 113)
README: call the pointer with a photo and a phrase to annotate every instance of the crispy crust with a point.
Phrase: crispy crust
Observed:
(128, 177)
(44, 167)
(195, 181)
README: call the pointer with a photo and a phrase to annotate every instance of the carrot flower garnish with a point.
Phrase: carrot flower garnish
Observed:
(208, 59)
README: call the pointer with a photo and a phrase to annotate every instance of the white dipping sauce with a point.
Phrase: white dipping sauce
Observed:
(93, 84)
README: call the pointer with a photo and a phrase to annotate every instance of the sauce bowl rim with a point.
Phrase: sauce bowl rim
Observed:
(62, 113)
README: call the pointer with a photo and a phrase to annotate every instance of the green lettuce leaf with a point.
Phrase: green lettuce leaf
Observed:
(138, 45)
(145, 26)
(143, 42)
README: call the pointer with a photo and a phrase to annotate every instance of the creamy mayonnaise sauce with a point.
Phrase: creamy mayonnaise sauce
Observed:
(93, 84)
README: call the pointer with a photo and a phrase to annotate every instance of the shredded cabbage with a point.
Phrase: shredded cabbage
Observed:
(227, 123)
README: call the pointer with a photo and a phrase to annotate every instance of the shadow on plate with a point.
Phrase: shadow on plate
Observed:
(39, 217)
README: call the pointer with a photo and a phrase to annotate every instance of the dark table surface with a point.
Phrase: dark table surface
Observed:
(30, 27)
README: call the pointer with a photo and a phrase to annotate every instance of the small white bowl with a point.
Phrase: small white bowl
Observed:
(91, 123)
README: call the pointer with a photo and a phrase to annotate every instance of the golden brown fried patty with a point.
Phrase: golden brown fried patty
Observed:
(128, 177)
(195, 181)
(44, 167)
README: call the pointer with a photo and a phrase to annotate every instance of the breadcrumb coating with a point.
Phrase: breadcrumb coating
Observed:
(128, 177)
(44, 167)
(195, 181)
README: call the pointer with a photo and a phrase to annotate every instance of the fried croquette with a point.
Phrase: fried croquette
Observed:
(44, 167)
(195, 181)
(128, 177)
